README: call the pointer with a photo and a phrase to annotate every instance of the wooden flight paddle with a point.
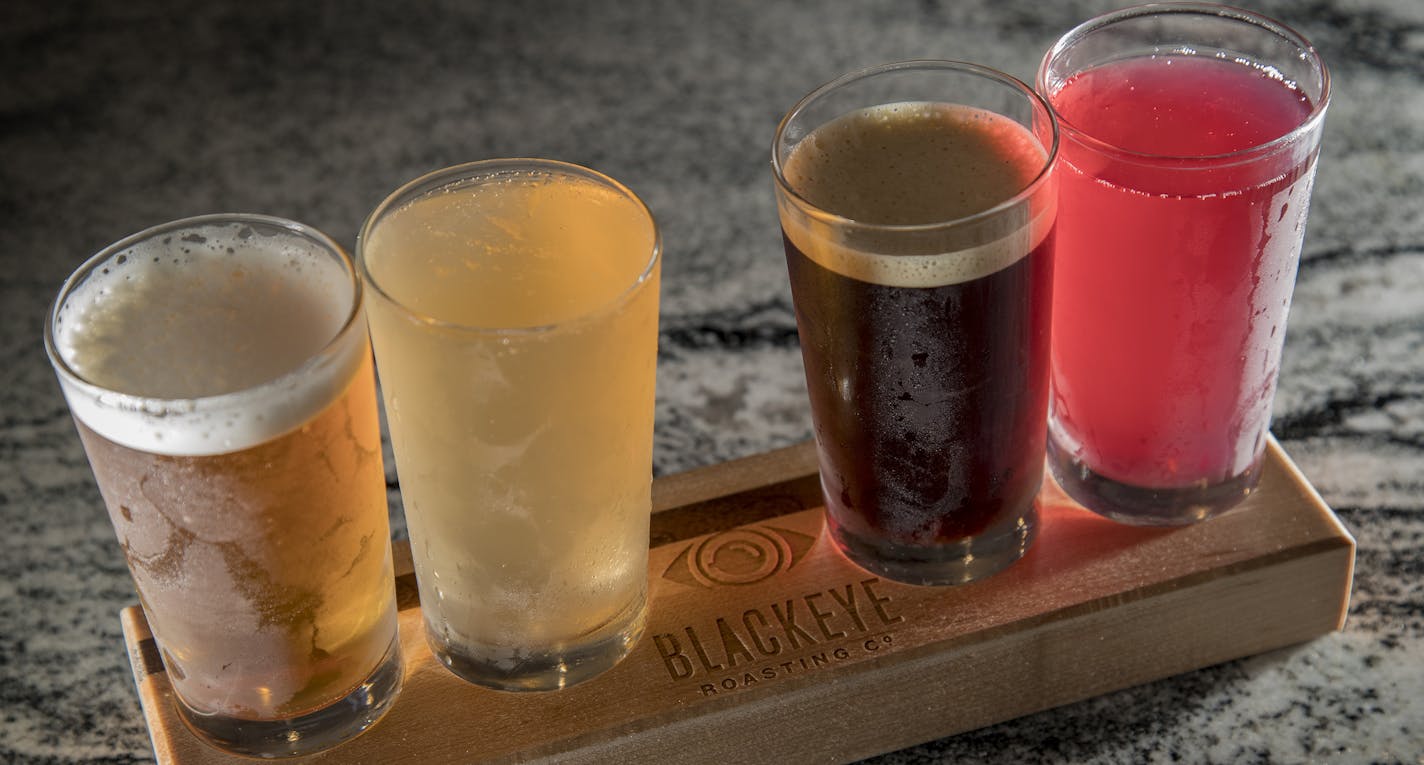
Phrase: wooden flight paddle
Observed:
(764, 644)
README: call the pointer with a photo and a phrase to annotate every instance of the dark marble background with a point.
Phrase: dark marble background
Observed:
(116, 116)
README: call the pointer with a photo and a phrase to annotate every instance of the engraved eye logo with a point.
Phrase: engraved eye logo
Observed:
(745, 555)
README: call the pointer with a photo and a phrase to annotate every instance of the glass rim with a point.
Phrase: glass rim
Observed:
(945, 65)
(157, 404)
(428, 183)
(1224, 12)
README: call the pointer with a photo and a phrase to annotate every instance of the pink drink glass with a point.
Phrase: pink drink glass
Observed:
(1190, 136)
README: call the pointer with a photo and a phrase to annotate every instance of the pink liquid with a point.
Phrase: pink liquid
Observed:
(1174, 276)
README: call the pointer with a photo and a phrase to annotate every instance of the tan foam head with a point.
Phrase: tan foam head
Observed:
(914, 164)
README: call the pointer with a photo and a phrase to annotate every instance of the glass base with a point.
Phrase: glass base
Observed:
(309, 733)
(1146, 506)
(518, 669)
(961, 562)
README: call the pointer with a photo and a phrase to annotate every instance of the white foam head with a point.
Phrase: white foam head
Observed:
(207, 335)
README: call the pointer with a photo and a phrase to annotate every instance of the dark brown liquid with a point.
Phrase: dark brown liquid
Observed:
(929, 403)
(927, 371)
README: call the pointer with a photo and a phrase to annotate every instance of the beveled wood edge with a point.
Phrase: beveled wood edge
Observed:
(1304, 486)
(724, 479)
(145, 662)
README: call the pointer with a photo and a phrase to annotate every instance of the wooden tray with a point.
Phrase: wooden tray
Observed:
(764, 644)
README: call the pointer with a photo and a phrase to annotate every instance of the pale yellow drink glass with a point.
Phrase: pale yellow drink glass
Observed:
(514, 314)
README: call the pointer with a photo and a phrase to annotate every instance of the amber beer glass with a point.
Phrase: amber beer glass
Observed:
(514, 312)
(219, 373)
(917, 210)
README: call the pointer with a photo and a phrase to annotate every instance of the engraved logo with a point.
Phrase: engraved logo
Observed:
(744, 555)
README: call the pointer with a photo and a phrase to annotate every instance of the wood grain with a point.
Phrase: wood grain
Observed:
(796, 655)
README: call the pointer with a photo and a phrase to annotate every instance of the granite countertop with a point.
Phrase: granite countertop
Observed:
(117, 116)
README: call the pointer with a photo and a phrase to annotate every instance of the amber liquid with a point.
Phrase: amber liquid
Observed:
(265, 573)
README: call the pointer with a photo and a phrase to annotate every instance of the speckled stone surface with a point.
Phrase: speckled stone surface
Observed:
(116, 116)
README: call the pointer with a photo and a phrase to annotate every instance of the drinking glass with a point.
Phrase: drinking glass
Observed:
(1190, 136)
(917, 208)
(220, 377)
(515, 318)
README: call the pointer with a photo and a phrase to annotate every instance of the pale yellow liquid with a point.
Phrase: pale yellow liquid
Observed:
(524, 457)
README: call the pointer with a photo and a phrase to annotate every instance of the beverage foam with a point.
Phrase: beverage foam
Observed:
(912, 171)
(189, 342)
